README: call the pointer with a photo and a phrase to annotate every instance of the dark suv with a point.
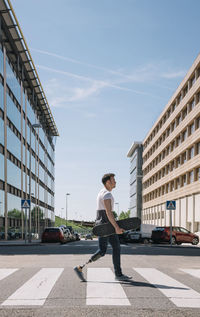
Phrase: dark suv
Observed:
(179, 235)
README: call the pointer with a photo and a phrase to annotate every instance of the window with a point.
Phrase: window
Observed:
(198, 123)
(173, 107)
(178, 162)
(168, 187)
(191, 152)
(178, 140)
(198, 173)
(168, 131)
(172, 146)
(177, 183)
(192, 104)
(184, 180)
(191, 176)
(178, 99)
(184, 157)
(192, 81)
(184, 135)
(191, 128)
(198, 148)
(185, 90)
(178, 120)
(184, 113)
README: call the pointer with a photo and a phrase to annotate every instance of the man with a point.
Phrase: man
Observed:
(105, 207)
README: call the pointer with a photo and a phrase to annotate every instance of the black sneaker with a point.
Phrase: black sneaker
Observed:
(123, 277)
(78, 270)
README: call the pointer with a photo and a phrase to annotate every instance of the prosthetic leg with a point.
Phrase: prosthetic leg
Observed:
(79, 269)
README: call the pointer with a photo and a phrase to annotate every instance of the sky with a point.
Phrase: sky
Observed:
(108, 68)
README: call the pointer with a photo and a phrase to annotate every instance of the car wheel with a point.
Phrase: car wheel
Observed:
(195, 241)
(173, 240)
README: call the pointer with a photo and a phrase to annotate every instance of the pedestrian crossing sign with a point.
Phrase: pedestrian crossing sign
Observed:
(171, 204)
(25, 203)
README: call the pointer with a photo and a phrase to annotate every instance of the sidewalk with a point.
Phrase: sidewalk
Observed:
(19, 243)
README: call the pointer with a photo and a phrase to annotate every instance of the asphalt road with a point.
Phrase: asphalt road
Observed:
(40, 281)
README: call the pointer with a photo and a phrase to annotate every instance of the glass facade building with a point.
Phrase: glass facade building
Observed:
(135, 154)
(27, 137)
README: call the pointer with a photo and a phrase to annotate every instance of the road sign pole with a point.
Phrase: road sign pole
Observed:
(26, 225)
(170, 227)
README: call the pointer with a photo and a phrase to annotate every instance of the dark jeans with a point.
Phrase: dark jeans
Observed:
(103, 244)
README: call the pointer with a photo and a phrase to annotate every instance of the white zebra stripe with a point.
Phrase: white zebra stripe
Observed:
(193, 272)
(102, 289)
(180, 294)
(6, 272)
(36, 290)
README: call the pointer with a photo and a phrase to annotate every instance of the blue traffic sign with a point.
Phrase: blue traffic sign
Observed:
(25, 203)
(171, 204)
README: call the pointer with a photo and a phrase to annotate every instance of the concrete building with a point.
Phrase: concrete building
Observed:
(135, 154)
(27, 136)
(171, 158)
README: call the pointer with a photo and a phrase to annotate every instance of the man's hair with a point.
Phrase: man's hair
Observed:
(107, 177)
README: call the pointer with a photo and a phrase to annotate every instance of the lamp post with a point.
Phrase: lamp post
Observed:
(61, 216)
(66, 206)
(33, 126)
(117, 209)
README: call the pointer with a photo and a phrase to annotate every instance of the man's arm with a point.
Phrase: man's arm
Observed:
(111, 218)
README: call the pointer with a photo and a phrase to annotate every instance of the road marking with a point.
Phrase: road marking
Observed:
(6, 272)
(193, 272)
(35, 290)
(180, 294)
(102, 289)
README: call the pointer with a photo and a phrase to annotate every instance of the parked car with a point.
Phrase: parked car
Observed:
(77, 236)
(179, 235)
(54, 234)
(142, 234)
(67, 233)
(88, 237)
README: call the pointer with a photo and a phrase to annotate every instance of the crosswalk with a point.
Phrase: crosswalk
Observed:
(101, 287)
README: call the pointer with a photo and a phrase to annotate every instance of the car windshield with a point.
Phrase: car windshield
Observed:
(158, 229)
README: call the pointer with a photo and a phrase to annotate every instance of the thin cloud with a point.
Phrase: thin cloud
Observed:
(172, 75)
(81, 63)
(142, 74)
(99, 83)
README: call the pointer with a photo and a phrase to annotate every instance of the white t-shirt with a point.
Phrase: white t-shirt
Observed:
(103, 195)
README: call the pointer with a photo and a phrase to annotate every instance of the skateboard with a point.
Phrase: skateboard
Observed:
(106, 229)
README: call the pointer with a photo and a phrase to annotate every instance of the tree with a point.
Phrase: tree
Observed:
(115, 214)
(14, 213)
(35, 211)
(124, 215)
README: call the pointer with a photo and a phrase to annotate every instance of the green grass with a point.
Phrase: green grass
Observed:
(78, 228)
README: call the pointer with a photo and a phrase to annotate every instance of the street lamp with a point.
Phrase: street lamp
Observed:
(33, 126)
(117, 208)
(66, 206)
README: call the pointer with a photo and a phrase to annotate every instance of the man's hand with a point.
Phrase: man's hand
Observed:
(119, 230)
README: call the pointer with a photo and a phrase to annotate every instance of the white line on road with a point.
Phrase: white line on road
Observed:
(6, 272)
(193, 272)
(180, 294)
(102, 289)
(35, 290)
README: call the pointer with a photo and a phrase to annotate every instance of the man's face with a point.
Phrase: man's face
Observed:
(113, 182)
